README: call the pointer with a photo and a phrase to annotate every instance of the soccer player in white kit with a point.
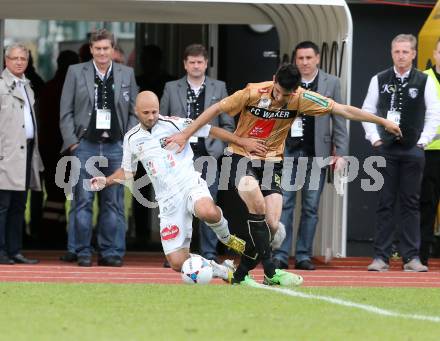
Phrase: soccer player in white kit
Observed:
(180, 191)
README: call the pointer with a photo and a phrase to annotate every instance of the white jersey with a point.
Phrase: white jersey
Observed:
(169, 172)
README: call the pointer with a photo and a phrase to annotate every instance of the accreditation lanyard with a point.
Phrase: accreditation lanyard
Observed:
(395, 112)
(104, 114)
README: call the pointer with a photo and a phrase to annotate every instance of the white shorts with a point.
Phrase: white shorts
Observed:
(176, 216)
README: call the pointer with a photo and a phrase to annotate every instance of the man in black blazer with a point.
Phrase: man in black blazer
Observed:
(188, 97)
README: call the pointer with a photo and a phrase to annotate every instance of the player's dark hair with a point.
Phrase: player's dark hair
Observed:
(307, 44)
(288, 77)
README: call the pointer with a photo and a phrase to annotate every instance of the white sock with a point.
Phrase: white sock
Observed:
(279, 236)
(221, 229)
(218, 270)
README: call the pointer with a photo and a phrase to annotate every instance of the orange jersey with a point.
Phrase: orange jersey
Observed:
(262, 118)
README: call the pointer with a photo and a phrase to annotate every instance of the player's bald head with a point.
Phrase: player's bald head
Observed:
(146, 99)
(147, 108)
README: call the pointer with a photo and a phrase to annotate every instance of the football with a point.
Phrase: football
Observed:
(196, 270)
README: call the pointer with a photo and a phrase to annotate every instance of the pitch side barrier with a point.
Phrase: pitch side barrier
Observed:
(351, 171)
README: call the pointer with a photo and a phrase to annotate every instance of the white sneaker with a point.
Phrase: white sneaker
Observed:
(225, 270)
(414, 265)
(378, 265)
(279, 236)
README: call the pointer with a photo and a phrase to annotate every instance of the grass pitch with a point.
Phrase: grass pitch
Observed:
(133, 312)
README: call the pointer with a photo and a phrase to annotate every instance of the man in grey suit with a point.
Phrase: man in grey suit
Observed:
(309, 137)
(189, 97)
(96, 110)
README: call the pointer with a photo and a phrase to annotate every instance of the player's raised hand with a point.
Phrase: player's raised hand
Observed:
(254, 147)
(98, 183)
(180, 139)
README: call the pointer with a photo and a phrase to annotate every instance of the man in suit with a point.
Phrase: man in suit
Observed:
(20, 161)
(309, 137)
(96, 110)
(189, 97)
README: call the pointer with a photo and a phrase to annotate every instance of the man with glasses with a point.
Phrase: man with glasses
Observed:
(20, 161)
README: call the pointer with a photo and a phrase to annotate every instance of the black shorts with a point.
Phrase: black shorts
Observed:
(267, 173)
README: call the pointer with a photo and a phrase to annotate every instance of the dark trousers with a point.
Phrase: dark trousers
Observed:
(12, 207)
(402, 180)
(429, 200)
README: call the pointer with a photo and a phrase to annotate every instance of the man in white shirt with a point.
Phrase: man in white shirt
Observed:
(180, 191)
(408, 97)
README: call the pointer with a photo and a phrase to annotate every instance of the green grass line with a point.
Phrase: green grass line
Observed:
(44, 311)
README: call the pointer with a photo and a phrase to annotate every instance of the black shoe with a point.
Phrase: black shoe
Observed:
(305, 265)
(69, 257)
(20, 259)
(166, 264)
(84, 261)
(110, 261)
(279, 264)
(5, 260)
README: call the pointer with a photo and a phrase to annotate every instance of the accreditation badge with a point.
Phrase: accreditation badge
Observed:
(296, 130)
(193, 139)
(394, 116)
(103, 119)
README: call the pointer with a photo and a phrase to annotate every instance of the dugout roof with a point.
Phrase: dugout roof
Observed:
(295, 20)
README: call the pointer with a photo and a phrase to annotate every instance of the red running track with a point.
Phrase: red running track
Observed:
(147, 268)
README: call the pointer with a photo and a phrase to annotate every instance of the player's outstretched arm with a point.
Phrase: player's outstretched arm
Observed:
(356, 114)
(98, 183)
(205, 117)
(252, 146)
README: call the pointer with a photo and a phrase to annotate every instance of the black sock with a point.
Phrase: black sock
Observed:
(261, 236)
(246, 264)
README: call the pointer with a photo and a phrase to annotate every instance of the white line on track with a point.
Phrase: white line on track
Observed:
(369, 308)
(95, 279)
